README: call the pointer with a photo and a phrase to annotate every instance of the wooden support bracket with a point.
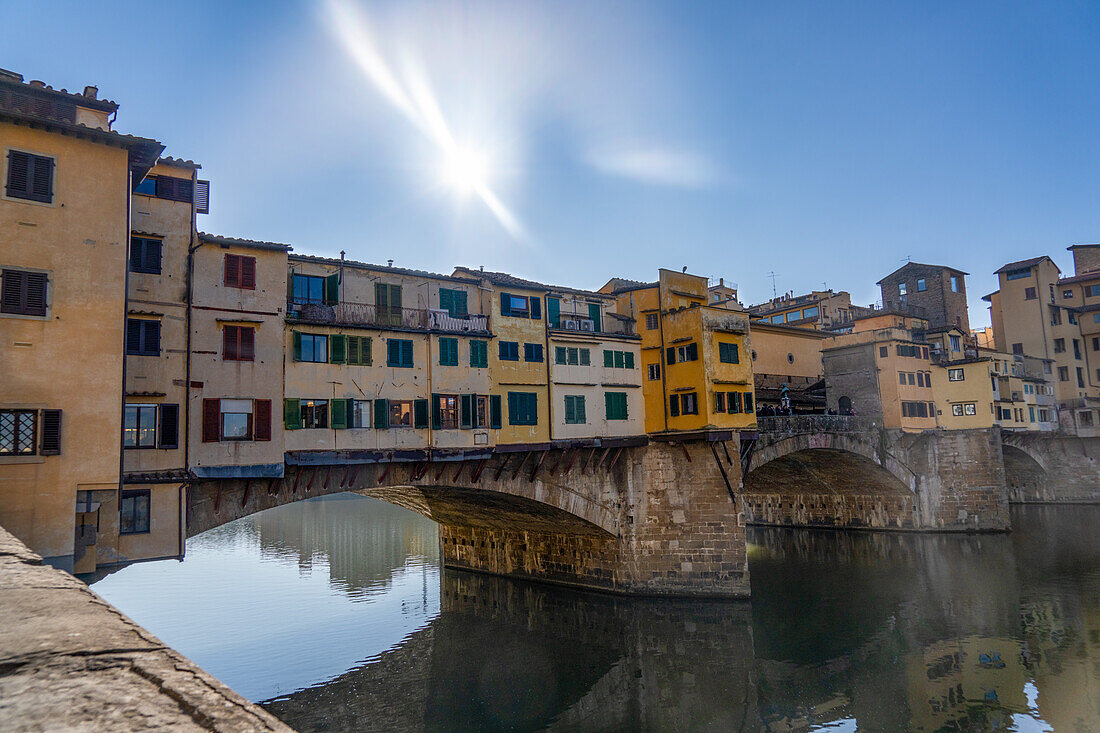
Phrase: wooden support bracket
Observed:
(600, 462)
(461, 465)
(480, 467)
(615, 458)
(297, 479)
(561, 457)
(500, 470)
(439, 473)
(537, 466)
(722, 469)
(354, 475)
(421, 469)
(572, 459)
(247, 491)
(591, 453)
(726, 450)
(526, 455)
(218, 499)
(385, 473)
(686, 454)
(312, 479)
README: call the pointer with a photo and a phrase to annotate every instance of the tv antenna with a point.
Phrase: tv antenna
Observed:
(772, 276)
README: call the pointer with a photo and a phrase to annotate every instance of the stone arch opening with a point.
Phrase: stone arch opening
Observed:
(828, 487)
(1025, 477)
(844, 405)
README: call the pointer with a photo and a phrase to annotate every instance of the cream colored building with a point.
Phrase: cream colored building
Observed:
(64, 234)
(791, 356)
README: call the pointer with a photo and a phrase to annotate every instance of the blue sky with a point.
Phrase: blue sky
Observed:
(825, 142)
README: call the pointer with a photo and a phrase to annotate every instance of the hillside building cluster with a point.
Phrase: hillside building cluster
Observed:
(140, 354)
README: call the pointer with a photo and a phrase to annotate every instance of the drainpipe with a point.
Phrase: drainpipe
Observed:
(192, 246)
(125, 310)
(546, 356)
(661, 355)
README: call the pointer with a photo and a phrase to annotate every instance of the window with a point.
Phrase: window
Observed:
(574, 410)
(1063, 374)
(532, 352)
(479, 353)
(615, 403)
(359, 414)
(238, 343)
(400, 413)
(236, 419)
(523, 408)
(1017, 348)
(733, 402)
(575, 356)
(509, 350)
(810, 312)
(453, 301)
(1018, 274)
(448, 351)
(911, 377)
(446, 412)
(142, 337)
(688, 352)
(387, 304)
(399, 353)
(174, 189)
(481, 411)
(310, 347)
(719, 401)
(777, 319)
(651, 322)
(1030, 293)
(18, 432)
(1092, 291)
(23, 293)
(1071, 316)
(654, 371)
(1080, 378)
(921, 285)
(314, 413)
(957, 410)
(1076, 349)
(139, 426)
(230, 419)
(240, 272)
(901, 378)
(920, 380)
(618, 359)
(883, 352)
(360, 350)
(1095, 343)
(133, 511)
(148, 186)
(145, 255)
(518, 306)
(30, 176)
(955, 282)
(1067, 294)
(1055, 316)
(956, 342)
(308, 289)
(956, 375)
(727, 353)
(689, 404)
(902, 290)
(1059, 346)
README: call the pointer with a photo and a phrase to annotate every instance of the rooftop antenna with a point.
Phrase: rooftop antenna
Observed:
(772, 276)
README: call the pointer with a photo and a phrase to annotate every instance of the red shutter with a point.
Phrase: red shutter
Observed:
(248, 273)
(230, 272)
(262, 424)
(229, 343)
(211, 421)
(247, 349)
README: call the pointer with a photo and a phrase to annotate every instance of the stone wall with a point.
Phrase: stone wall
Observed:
(1041, 467)
(70, 661)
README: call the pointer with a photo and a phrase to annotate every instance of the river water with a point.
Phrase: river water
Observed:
(335, 614)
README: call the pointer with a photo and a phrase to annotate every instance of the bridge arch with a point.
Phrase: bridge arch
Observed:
(1025, 476)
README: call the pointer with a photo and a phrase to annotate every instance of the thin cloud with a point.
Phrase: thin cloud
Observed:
(656, 166)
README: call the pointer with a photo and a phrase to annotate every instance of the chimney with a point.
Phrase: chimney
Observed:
(389, 263)
(36, 83)
(91, 92)
(721, 282)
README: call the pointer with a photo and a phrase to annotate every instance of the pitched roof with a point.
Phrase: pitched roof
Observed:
(250, 243)
(623, 285)
(12, 81)
(1084, 276)
(503, 278)
(178, 163)
(379, 268)
(1081, 246)
(1023, 264)
(920, 264)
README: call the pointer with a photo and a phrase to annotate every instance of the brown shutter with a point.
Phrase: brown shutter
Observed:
(227, 280)
(229, 343)
(168, 426)
(247, 349)
(263, 420)
(11, 291)
(51, 432)
(211, 421)
(248, 272)
(19, 171)
(42, 180)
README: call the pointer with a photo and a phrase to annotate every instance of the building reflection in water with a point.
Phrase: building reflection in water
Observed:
(875, 631)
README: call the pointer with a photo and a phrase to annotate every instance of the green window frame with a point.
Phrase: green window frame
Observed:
(479, 353)
(532, 352)
(453, 301)
(448, 351)
(399, 353)
(523, 408)
(615, 404)
(508, 350)
(574, 410)
(559, 355)
(728, 353)
(311, 347)
(618, 359)
(359, 350)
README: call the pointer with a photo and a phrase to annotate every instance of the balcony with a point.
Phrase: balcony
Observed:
(613, 325)
(366, 314)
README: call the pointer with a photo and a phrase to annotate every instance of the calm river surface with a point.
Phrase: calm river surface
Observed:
(335, 614)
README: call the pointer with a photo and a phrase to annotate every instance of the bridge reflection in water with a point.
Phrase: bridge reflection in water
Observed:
(362, 631)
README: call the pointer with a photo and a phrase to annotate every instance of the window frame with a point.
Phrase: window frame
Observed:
(317, 414)
(17, 415)
(139, 408)
(24, 309)
(127, 497)
(572, 402)
(27, 195)
(237, 276)
(142, 266)
(142, 347)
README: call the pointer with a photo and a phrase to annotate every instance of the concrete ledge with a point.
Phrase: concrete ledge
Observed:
(71, 661)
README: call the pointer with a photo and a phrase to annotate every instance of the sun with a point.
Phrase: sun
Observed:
(465, 171)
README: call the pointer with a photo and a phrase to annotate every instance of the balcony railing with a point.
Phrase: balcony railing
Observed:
(799, 424)
(580, 324)
(368, 314)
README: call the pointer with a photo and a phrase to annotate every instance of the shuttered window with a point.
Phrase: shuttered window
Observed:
(453, 301)
(240, 272)
(30, 176)
(51, 433)
(139, 426)
(508, 350)
(23, 293)
(727, 353)
(448, 352)
(142, 337)
(202, 197)
(168, 427)
(615, 403)
(532, 352)
(238, 343)
(175, 189)
(523, 408)
(39, 106)
(618, 359)
(145, 255)
(399, 353)
(359, 350)
(495, 419)
(574, 410)
(479, 353)
(211, 420)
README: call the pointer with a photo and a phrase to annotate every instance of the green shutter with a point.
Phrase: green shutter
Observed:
(292, 414)
(337, 348)
(366, 346)
(513, 413)
(586, 357)
(406, 353)
(466, 411)
(536, 307)
(570, 408)
(297, 340)
(420, 414)
(581, 416)
(553, 313)
(608, 358)
(620, 362)
(559, 354)
(594, 314)
(609, 405)
(448, 352)
(458, 303)
(332, 289)
(393, 353)
(495, 421)
(628, 358)
(437, 414)
(446, 301)
(339, 413)
(353, 350)
(381, 414)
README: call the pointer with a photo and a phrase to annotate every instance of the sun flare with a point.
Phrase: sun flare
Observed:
(465, 171)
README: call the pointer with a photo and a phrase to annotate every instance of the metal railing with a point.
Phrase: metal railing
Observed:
(367, 314)
(580, 324)
(797, 424)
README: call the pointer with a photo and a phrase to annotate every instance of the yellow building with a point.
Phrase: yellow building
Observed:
(791, 356)
(697, 376)
(965, 394)
(66, 178)
(820, 309)
(236, 373)
(384, 358)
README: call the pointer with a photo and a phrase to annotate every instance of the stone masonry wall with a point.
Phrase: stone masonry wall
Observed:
(1041, 468)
